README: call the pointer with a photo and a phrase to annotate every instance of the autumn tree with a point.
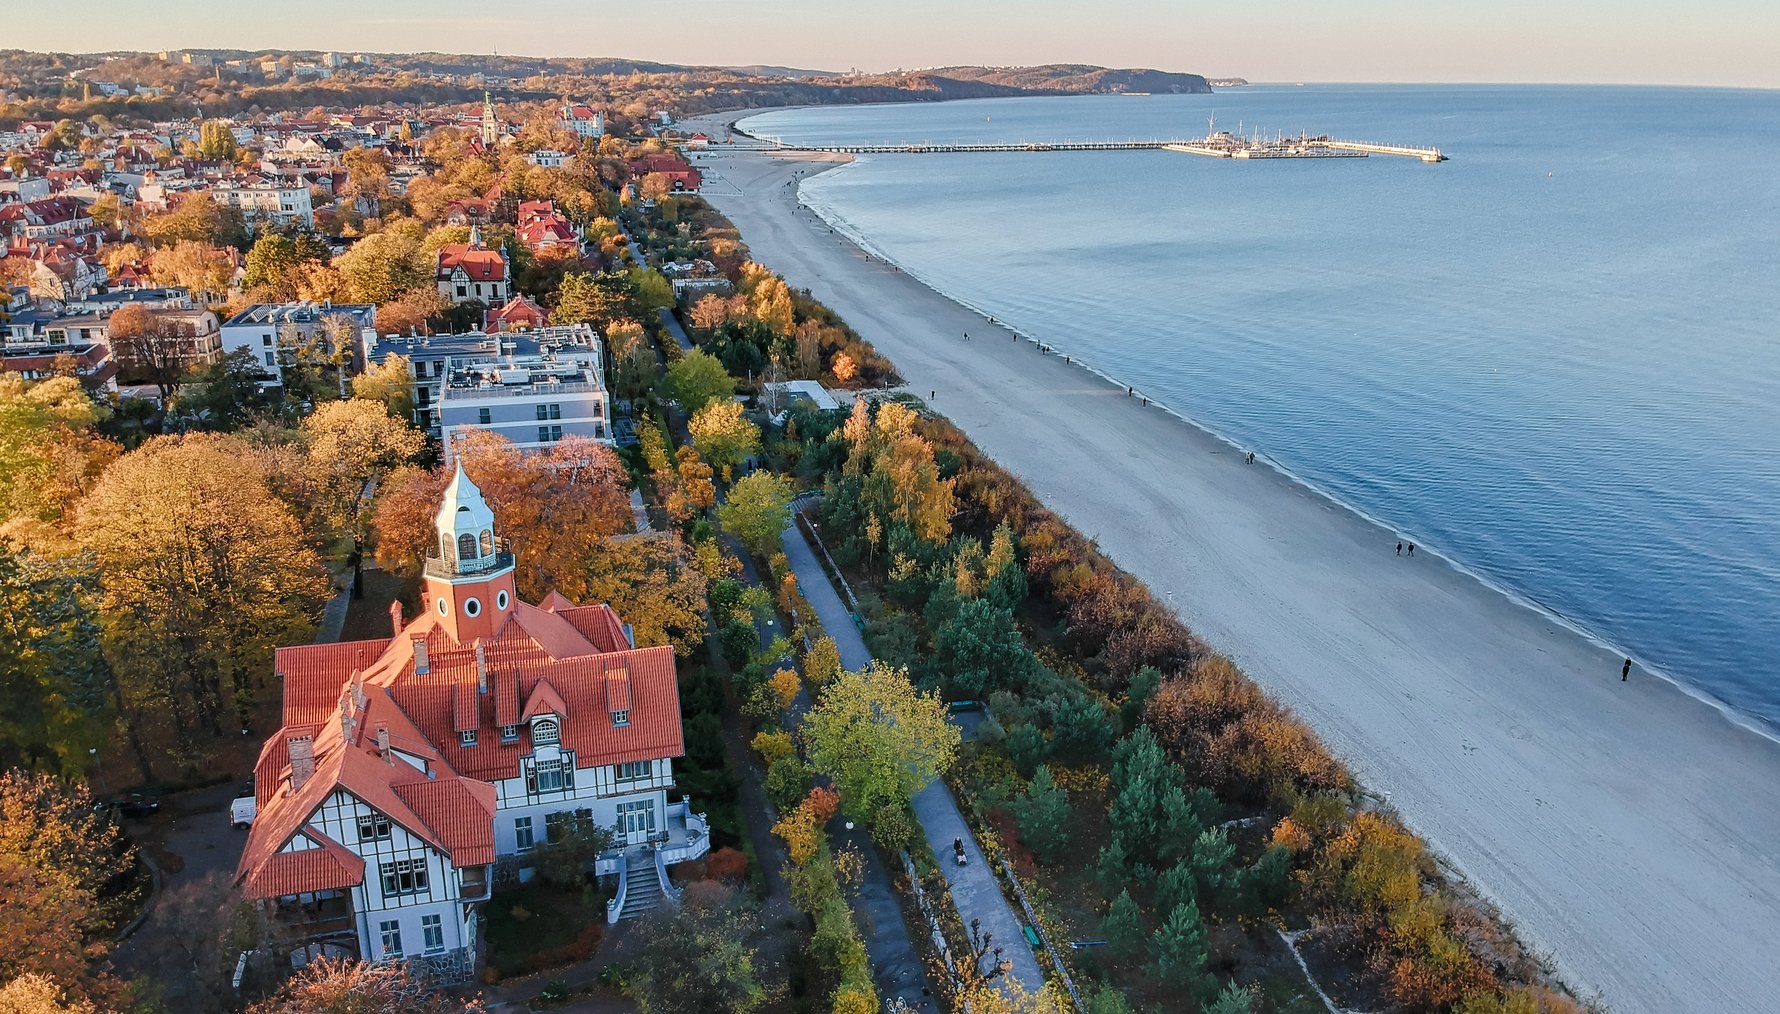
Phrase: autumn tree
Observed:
(39, 994)
(880, 739)
(557, 508)
(194, 265)
(697, 380)
(412, 312)
(349, 447)
(390, 384)
(756, 510)
(50, 454)
(198, 219)
(710, 312)
(387, 263)
(900, 478)
(216, 141)
(205, 572)
(57, 860)
(594, 299)
(148, 347)
(722, 436)
(651, 580)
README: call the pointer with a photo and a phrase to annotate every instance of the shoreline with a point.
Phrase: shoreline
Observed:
(1751, 723)
(1627, 831)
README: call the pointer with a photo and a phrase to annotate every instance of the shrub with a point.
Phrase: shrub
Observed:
(726, 864)
(893, 827)
(773, 744)
(787, 780)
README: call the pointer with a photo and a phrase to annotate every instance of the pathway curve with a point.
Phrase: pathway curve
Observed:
(975, 892)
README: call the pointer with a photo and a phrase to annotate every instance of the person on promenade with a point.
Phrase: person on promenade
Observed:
(1625, 671)
(1399, 547)
(1251, 457)
(1412, 549)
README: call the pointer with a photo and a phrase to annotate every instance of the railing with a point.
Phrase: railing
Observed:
(436, 567)
(698, 835)
(668, 890)
(530, 388)
(616, 905)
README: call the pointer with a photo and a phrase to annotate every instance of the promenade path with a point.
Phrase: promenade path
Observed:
(975, 892)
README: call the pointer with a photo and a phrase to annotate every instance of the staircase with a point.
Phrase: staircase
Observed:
(642, 890)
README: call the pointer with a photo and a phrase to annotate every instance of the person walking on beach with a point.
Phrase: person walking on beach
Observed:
(1412, 549)
(931, 395)
(1399, 547)
(1625, 671)
(1251, 457)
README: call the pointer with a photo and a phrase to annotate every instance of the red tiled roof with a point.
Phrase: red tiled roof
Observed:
(327, 868)
(480, 265)
(544, 700)
(313, 673)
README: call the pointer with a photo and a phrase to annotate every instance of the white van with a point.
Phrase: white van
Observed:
(243, 808)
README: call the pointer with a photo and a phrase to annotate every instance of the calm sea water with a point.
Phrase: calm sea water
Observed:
(1556, 358)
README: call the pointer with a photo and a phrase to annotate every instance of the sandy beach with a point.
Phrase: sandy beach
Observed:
(1628, 830)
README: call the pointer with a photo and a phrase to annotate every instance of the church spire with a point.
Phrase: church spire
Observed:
(491, 127)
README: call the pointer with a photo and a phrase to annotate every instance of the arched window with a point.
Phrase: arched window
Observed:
(545, 733)
(445, 548)
(466, 546)
(487, 542)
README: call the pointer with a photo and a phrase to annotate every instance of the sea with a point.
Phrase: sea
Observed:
(1554, 358)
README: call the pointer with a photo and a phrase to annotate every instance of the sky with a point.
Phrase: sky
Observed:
(1700, 42)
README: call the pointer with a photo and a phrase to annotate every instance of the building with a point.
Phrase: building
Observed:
(278, 205)
(547, 158)
(261, 328)
(412, 773)
(681, 176)
(541, 227)
(532, 401)
(39, 344)
(585, 122)
(517, 314)
(472, 272)
(189, 336)
(491, 126)
(432, 359)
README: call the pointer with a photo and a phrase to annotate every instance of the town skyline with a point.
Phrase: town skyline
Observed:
(1731, 43)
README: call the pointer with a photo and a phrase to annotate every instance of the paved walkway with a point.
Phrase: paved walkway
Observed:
(975, 891)
(672, 326)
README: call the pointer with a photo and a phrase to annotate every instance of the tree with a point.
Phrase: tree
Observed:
(198, 219)
(1237, 1000)
(695, 478)
(52, 674)
(594, 299)
(385, 264)
(979, 649)
(1123, 927)
(49, 453)
(723, 436)
(349, 447)
(343, 986)
(710, 312)
(693, 959)
(271, 266)
(650, 580)
(216, 141)
(223, 395)
(557, 508)
(390, 384)
(412, 312)
(148, 347)
(574, 841)
(756, 511)
(57, 858)
(195, 265)
(38, 994)
(879, 739)
(697, 380)
(1044, 817)
(1180, 955)
(206, 571)
(822, 663)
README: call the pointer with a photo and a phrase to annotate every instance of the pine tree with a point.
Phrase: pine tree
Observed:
(1212, 866)
(1043, 815)
(1233, 1000)
(1180, 953)
(1175, 888)
(1113, 869)
(1123, 927)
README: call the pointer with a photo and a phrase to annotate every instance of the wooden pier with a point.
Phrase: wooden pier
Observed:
(1218, 145)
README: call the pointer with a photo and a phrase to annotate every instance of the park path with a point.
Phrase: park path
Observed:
(975, 892)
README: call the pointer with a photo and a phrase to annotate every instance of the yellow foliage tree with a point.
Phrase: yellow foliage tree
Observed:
(879, 738)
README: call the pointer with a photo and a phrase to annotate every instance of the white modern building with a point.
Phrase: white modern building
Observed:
(277, 205)
(532, 401)
(433, 360)
(264, 327)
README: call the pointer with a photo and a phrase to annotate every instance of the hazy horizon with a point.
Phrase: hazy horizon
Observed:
(1725, 43)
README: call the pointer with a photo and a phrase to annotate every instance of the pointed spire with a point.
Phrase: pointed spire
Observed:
(475, 236)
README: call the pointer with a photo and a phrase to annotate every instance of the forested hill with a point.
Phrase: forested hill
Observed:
(1079, 79)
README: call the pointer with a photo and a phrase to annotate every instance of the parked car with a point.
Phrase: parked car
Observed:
(243, 808)
(137, 805)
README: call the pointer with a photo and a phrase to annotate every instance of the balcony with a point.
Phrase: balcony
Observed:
(536, 387)
(688, 834)
(436, 567)
(474, 883)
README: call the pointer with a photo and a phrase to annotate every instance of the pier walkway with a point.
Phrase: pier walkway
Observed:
(1316, 147)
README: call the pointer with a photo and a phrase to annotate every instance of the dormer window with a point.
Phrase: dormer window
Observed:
(546, 733)
(621, 717)
(509, 733)
(467, 737)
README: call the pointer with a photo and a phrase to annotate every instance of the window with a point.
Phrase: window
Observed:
(487, 542)
(392, 938)
(423, 396)
(509, 733)
(472, 607)
(373, 828)
(543, 434)
(551, 776)
(543, 413)
(500, 602)
(466, 546)
(269, 360)
(522, 833)
(466, 737)
(621, 717)
(555, 411)
(636, 820)
(546, 733)
(404, 876)
(635, 771)
(266, 340)
(433, 930)
(555, 433)
(483, 417)
(460, 292)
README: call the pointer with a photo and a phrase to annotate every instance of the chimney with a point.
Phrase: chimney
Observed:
(383, 742)
(395, 618)
(302, 761)
(481, 668)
